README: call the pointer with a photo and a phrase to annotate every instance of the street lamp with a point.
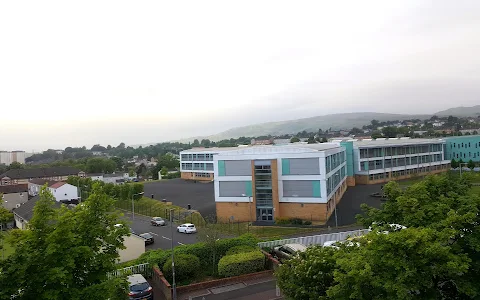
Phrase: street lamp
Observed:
(249, 209)
(133, 204)
(174, 286)
(462, 168)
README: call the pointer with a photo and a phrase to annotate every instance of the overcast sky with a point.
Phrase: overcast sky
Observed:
(76, 73)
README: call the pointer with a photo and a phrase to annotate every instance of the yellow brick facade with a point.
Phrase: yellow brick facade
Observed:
(240, 211)
(191, 176)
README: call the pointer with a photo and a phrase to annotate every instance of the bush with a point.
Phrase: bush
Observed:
(282, 221)
(241, 263)
(187, 266)
(240, 249)
(307, 223)
(296, 221)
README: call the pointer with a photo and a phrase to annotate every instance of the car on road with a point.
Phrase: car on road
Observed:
(148, 238)
(139, 288)
(157, 221)
(287, 251)
(187, 228)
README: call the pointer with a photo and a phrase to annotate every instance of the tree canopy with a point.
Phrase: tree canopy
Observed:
(435, 257)
(66, 253)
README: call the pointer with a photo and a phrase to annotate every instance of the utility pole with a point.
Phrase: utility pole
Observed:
(133, 205)
(174, 286)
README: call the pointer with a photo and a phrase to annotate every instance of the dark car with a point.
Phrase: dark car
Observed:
(288, 251)
(139, 288)
(148, 238)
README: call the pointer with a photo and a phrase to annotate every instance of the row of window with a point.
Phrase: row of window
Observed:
(399, 162)
(334, 160)
(197, 166)
(464, 155)
(392, 151)
(335, 179)
(406, 172)
(197, 157)
(464, 145)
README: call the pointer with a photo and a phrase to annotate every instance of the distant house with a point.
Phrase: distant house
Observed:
(112, 178)
(62, 191)
(438, 124)
(24, 213)
(95, 176)
(14, 195)
(261, 142)
(22, 176)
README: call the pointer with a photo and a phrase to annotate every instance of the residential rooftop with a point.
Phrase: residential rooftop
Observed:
(40, 172)
(394, 141)
(212, 149)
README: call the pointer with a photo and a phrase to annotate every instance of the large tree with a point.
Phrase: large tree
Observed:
(66, 253)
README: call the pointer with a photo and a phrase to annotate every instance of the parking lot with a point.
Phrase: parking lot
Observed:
(181, 193)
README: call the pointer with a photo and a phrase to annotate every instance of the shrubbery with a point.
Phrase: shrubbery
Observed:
(241, 263)
(293, 221)
(240, 249)
(187, 266)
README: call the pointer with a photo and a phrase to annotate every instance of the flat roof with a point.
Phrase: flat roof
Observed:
(212, 149)
(282, 149)
(395, 141)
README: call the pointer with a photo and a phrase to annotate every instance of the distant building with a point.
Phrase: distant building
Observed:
(62, 191)
(18, 176)
(261, 142)
(463, 147)
(8, 157)
(14, 195)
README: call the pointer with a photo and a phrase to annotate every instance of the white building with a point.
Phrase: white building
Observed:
(262, 183)
(8, 157)
(62, 191)
(115, 178)
(197, 163)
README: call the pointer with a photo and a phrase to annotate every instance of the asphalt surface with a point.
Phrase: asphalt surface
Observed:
(182, 192)
(162, 234)
(349, 206)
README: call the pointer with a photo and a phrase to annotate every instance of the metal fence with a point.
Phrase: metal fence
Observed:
(315, 239)
(143, 269)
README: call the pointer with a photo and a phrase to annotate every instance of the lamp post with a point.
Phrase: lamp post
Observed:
(174, 286)
(133, 204)
(249, 209)
(335, 200)
(462, 168)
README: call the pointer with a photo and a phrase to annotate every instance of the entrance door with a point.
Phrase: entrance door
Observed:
(264, 214)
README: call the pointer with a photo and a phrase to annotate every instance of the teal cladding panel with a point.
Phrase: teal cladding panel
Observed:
(248, 188)
(316, 188)
(221, 168)
(349, 153)
(465, 147)
(285, 166)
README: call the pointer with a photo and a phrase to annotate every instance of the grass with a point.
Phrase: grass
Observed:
(7, 248)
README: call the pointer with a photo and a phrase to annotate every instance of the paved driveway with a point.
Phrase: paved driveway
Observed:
(181, 193)
(349, 206)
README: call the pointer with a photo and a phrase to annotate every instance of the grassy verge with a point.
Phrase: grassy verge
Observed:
(7, 249)
(154, 208)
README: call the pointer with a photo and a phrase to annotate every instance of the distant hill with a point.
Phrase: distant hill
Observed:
(334, 121)
(461, 111)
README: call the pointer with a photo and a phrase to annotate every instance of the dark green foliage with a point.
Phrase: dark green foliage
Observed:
(187, 266)
(307, 223)
(241, 263)
(240, 249)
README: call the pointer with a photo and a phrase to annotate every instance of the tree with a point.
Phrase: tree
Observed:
(164, 171)
(98, 147)
(454, 163)
(311, 140)
(294, 140)
(471, 164)
(195, 143)
(141, 169)
(169, 161)
(390, 131)
(308, 275)
(16, 165)
(70, 251)
(100, 165)
(376, 134)
(356, 130)
(5, 215)
(118, 162)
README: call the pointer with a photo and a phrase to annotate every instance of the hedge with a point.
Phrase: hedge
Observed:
(186, 267)
(240, 249)
(200, 250)
(241, 263)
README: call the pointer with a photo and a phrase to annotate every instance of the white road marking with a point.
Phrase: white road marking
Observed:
(166, 238)
(153, 233)
(181, 243)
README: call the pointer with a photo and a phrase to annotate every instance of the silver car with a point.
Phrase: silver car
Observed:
(288, 250)
(157, 221)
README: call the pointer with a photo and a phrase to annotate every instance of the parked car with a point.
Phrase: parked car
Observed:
(157, 221)
(288, 250)
(139, 288)
(148, 238)
(187, 228)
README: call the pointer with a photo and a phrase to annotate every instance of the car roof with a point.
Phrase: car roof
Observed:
(187, 224)
(136, 278)
(145, 234)
(296, 247)
(157, 218)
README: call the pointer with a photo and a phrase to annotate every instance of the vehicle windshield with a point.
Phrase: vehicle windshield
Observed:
(139, 287)
(157, 219)
(146, 235)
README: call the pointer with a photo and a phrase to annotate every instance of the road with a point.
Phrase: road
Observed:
(162, 234)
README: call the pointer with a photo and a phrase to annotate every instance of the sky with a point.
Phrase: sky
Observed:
(76, 73)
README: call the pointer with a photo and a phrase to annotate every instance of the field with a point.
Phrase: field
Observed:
(6, 250)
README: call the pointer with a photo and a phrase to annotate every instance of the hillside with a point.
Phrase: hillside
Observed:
(461, 111)
(334, 121)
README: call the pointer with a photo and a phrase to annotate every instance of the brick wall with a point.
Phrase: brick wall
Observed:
(190, 176)
(305, 211)
(237, 209)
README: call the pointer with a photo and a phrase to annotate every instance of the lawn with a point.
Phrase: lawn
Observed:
(7, 249)
(261, 232)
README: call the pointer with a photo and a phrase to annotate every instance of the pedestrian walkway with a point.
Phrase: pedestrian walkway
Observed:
(255, 289)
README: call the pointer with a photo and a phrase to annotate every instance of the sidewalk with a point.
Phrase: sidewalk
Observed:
(258, 289)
